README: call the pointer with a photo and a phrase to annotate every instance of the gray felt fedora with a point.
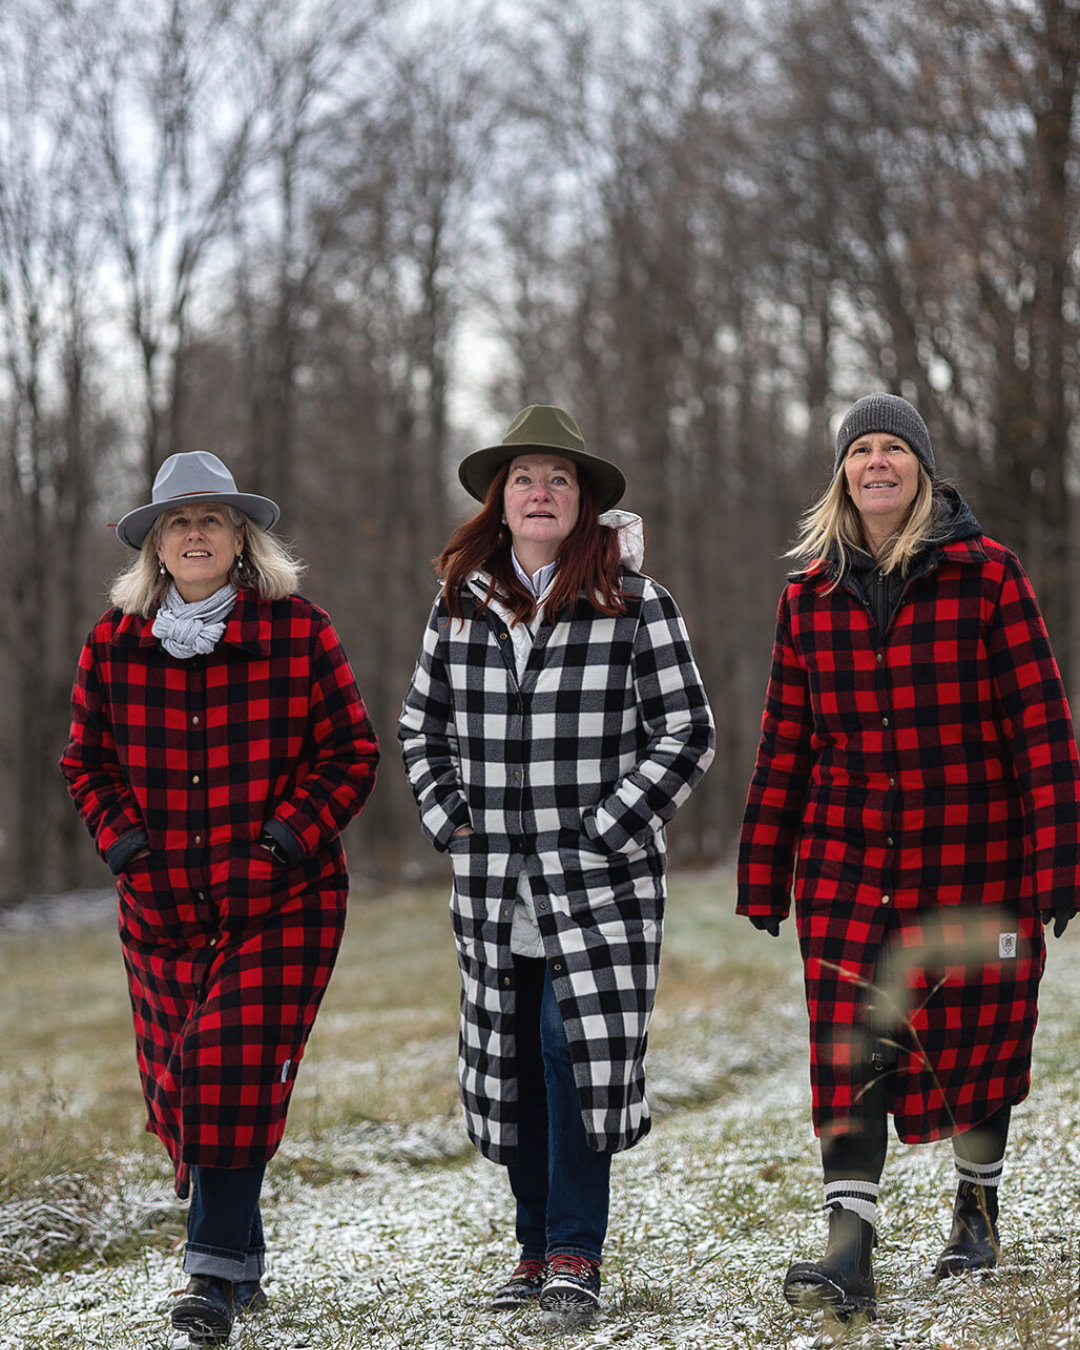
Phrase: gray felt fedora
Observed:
(197, 476)
(541, 426)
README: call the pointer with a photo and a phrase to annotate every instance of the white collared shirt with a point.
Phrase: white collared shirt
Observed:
(540, 580)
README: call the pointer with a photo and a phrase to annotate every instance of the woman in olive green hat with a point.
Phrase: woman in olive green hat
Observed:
(555, 722)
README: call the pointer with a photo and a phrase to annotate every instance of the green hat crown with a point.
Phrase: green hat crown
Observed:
(542, 426)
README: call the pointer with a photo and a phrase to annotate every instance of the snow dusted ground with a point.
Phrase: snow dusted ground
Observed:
(401, 1244)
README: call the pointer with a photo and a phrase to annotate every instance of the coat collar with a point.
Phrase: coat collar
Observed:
(248, 627)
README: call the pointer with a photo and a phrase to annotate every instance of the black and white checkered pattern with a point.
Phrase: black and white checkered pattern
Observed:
(572, 772)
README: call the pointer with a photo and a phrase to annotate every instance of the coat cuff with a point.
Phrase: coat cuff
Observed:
(121, 851)
(286, 848)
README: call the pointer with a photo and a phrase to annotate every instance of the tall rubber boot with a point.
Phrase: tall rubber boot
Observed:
(973, 1243)
(843, 1280)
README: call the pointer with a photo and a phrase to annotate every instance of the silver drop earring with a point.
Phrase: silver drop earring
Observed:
(160, 568)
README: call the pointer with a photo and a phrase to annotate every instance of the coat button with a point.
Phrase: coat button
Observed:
(194, 777)
(506, 981)
(543, 904)
(884, 899)
(890, 841)
(557, 966)
(200, 895)
(884, 721)
(195, 720)
(213, 942)
(198, 838)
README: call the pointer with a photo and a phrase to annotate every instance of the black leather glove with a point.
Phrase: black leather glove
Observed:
(1061, 915)
(765, 924)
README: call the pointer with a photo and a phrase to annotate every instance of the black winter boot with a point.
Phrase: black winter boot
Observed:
(205, 1310)
(843, 1280)
(973, 1243)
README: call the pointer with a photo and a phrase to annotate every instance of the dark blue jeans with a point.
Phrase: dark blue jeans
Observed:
(224, 1227)
(561, 1185)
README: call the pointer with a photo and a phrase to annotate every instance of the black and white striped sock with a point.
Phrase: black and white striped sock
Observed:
(980, 1174)
(859, 1196)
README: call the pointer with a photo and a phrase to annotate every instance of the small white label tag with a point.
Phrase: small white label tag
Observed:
(288, 1063)
(1006, 945)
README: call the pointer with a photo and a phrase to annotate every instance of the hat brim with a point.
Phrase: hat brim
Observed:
(135, 526)
(476, 471)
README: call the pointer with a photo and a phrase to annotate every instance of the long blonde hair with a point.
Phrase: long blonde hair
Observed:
(833, 525)
(266, 566)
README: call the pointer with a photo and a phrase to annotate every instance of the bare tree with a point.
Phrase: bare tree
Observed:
(49, 438)
(167, 137)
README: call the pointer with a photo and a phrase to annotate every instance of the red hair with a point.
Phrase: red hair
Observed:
(589, 559)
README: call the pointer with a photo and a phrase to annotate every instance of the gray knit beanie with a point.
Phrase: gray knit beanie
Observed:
(888, 413)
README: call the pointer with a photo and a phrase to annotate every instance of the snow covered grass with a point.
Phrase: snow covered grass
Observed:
(387, 1230)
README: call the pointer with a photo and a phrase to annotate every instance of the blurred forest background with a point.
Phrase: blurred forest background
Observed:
(342, 242)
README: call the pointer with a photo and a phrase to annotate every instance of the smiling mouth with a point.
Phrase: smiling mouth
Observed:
(197, 553)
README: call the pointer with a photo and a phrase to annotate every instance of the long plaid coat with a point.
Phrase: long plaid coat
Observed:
(227, 952)
(921, 788)
(573, 772)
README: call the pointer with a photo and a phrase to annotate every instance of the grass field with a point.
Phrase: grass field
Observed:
(386, 1229)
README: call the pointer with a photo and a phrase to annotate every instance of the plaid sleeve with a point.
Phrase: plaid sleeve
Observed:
(428, 739)
(677, 723)
(777, 796)
(1037, 724)
(345, 750)
(91, 765)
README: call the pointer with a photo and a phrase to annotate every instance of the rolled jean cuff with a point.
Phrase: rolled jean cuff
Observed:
(224, 1265)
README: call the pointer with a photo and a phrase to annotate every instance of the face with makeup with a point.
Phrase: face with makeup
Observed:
(541, 503)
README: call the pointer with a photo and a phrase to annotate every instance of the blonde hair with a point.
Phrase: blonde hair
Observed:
(833, 525)
(266, 566)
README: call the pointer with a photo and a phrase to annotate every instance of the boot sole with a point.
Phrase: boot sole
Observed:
(203, 1327)
(811, 1295)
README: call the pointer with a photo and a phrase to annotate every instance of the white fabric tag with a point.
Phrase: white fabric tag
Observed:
(1006, 944)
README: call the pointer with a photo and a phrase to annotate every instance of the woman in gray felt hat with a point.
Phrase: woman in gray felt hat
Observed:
(555, 722)
(218, 747)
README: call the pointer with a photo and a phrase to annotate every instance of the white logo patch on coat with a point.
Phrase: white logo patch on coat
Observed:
(1006, 945)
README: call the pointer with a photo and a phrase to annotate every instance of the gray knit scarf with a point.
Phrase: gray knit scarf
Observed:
(193, 630)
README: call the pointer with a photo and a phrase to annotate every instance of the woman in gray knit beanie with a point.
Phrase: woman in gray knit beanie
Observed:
(916, 788)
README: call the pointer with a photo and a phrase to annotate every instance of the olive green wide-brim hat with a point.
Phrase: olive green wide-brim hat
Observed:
(541, 426)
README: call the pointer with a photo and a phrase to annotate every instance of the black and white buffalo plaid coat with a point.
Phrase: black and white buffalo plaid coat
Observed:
(572, 771)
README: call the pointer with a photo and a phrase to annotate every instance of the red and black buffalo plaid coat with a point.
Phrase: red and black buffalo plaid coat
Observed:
(919, 788)
(228, 952)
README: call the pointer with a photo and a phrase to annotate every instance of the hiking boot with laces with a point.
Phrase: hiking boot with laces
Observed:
(523, 1286)
(572, 1288)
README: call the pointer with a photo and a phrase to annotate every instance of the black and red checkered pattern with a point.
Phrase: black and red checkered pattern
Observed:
(919, 793)
(228, 952)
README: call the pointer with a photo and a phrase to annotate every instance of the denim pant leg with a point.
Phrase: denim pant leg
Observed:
(529, 1175)
(224, 1228)
(579, 1178)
